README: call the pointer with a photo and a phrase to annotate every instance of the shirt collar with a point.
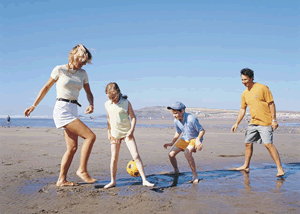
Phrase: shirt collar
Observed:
(121, 100)
(184, 118)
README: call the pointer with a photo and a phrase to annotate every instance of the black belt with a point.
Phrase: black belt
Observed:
(69, 101)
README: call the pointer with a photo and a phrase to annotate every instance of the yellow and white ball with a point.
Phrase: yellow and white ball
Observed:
(132, 169)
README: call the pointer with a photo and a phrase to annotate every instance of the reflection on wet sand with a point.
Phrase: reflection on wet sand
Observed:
(246, 180)
(279, 183)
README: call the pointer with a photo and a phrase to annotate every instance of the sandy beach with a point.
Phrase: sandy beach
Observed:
(30, 162)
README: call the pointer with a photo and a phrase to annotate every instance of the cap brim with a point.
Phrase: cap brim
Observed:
(170, 108)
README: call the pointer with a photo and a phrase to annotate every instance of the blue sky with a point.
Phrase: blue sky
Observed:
(157, 51)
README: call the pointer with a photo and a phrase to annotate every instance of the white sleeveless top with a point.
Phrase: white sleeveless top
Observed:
(118, 117)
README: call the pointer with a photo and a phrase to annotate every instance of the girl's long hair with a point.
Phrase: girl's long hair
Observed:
(114, 88)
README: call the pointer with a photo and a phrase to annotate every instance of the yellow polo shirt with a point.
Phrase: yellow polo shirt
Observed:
(258, 99)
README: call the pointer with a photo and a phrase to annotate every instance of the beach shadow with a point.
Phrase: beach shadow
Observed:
(165, 181)
(160, 189)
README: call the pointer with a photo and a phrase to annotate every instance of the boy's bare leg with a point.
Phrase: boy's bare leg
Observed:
(131, 144)
(248, 155)
(274, 154)
(188, 154)
(172, 156)
(115, 149)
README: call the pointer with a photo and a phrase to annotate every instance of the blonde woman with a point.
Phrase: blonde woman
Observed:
(70, 79)
(120, 128)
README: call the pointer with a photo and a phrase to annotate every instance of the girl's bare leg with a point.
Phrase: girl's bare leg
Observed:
(131, 144)
(115, 149)
(72, 144)
(80, 129)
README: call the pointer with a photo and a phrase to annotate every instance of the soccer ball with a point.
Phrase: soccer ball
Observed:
(132, 169)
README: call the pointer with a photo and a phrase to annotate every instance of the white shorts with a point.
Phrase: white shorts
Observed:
(64, 113)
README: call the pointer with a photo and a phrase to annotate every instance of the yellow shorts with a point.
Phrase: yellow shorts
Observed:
(182, 144)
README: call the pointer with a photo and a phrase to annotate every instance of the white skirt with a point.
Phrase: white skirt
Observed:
(64, 113)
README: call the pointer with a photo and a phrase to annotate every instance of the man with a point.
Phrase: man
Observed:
(263, 119)
(191, 140)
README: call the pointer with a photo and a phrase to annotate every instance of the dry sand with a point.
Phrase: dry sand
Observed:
(30, 162)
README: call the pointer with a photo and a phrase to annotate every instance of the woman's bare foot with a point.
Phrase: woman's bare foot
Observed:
(86, 177)
(280, 173)
(147, 184)
(242, 168)
(111, 184)
(65, 183)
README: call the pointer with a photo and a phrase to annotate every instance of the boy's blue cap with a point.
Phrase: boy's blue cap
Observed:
(177, 106)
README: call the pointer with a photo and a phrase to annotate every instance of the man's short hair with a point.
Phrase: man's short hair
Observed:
(247, 72)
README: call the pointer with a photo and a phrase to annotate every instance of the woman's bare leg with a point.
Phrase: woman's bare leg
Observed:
(115, 149)
(131, 144)
(72, 144)
(80, 129)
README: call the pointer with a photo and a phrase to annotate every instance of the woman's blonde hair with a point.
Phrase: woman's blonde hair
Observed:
(78, 56)
(113, 88)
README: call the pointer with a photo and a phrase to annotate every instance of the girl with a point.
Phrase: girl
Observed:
(70, 79)
(118, 109)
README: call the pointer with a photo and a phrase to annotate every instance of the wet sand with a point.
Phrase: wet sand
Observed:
(30, 162)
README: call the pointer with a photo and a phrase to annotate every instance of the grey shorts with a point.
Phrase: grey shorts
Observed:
(259, 134)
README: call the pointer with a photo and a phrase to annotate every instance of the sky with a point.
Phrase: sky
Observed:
(158, 52)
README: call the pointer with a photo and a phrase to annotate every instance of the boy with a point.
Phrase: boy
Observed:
(191, 140)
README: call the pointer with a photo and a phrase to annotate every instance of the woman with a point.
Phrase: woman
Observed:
(120, 128)
(69, 81)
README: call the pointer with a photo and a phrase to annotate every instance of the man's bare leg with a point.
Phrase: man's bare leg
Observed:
(248, 155)
(172, 156)
(274, 154)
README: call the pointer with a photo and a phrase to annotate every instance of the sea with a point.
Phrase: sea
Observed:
(48, 122)
(97, 122)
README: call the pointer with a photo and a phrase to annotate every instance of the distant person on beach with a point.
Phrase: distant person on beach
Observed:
(70, 79)
(120, 128)
(190, 141)
(8, 119)
(263, 119)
